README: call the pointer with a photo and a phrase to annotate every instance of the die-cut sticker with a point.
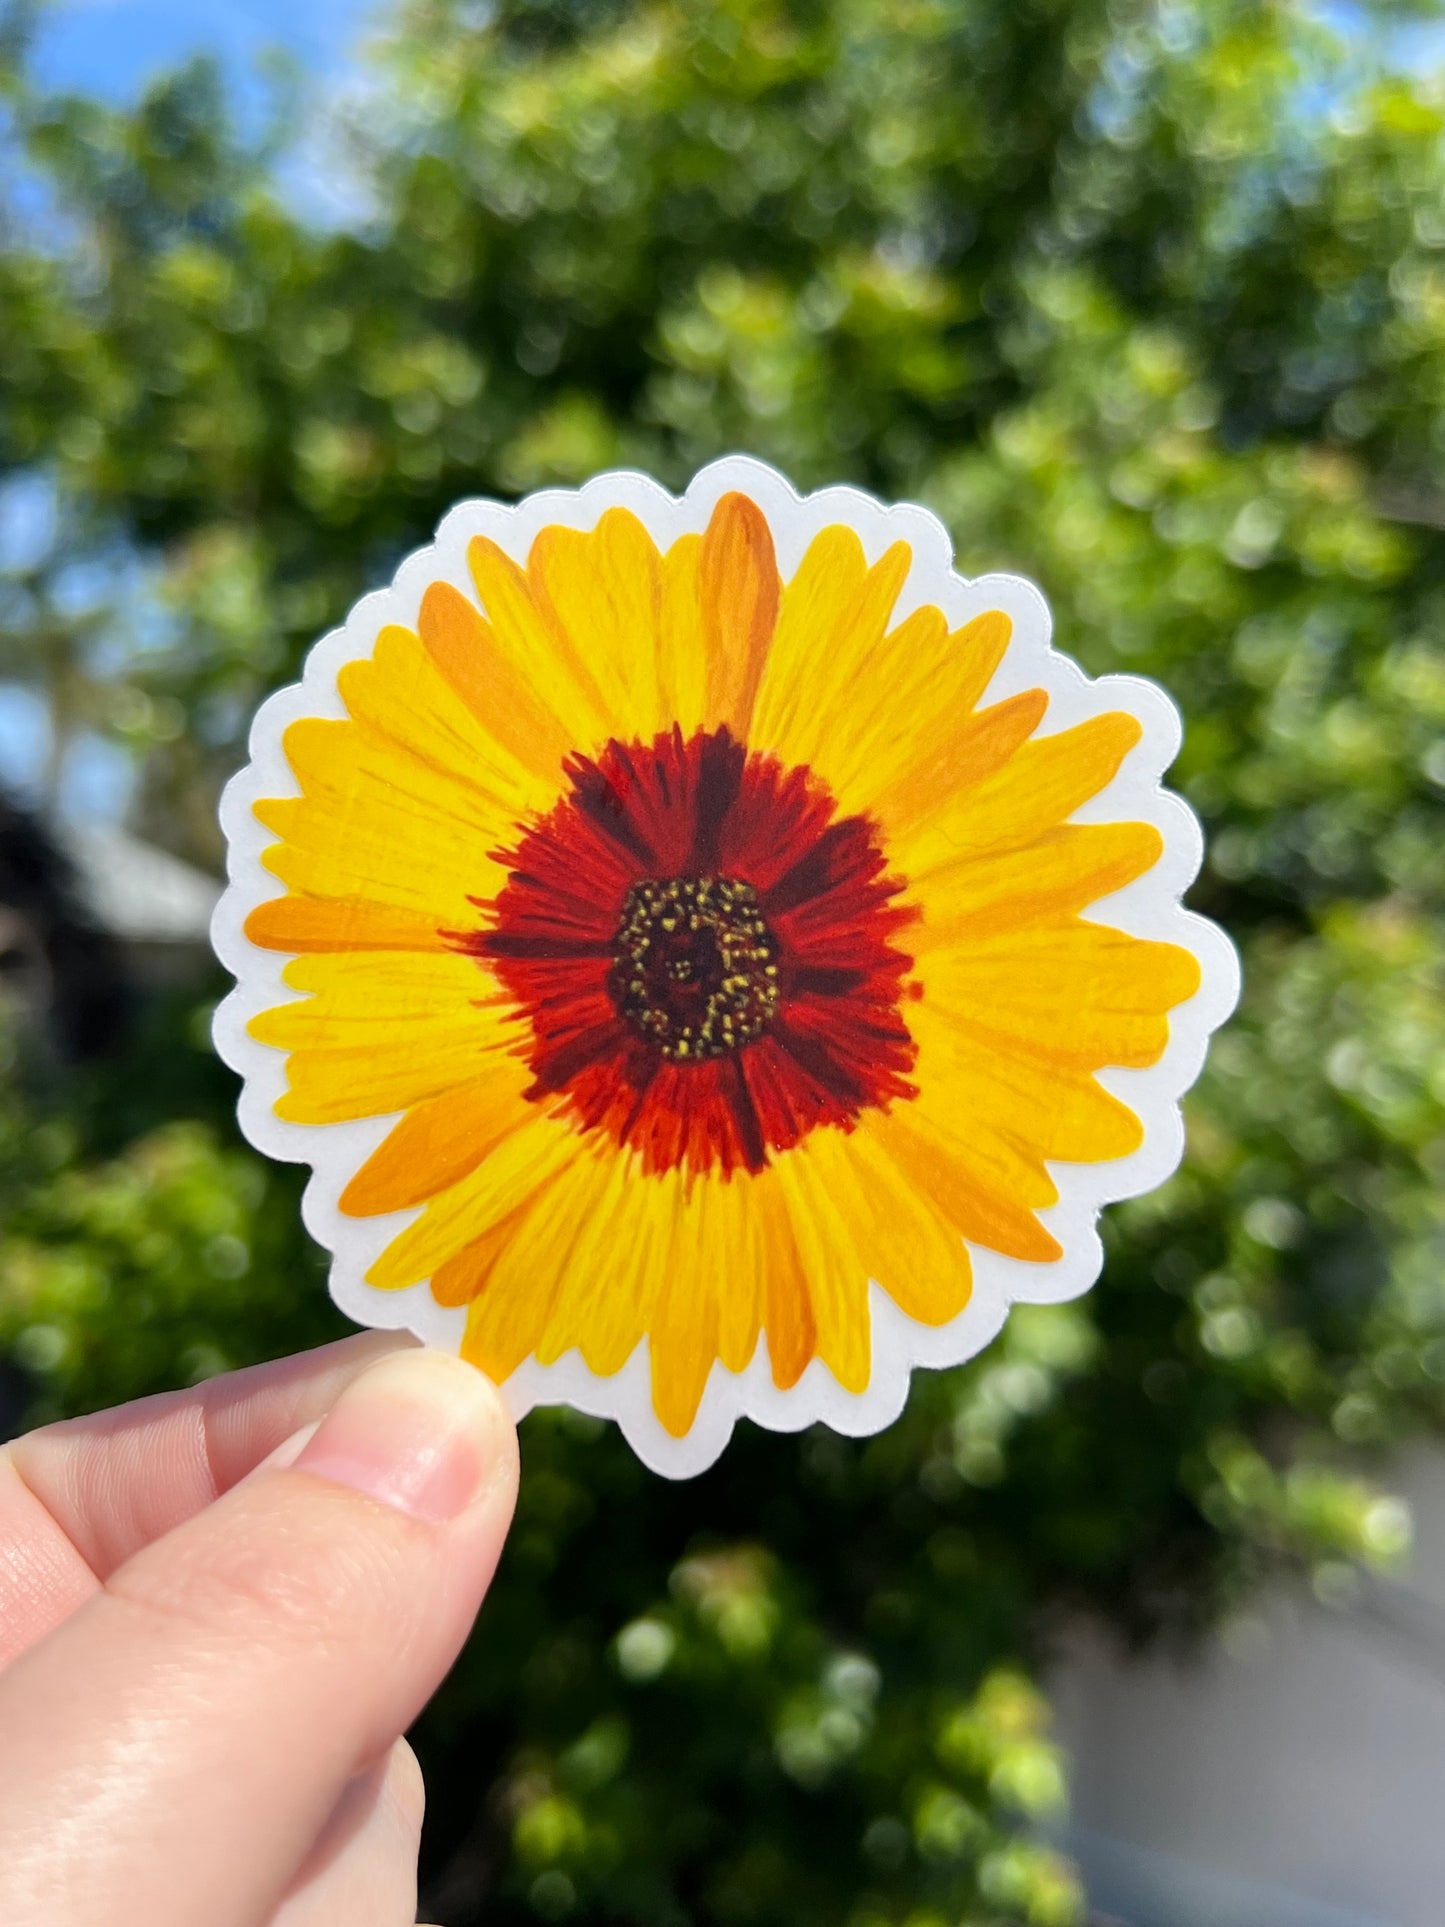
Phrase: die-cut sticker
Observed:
(713, 957)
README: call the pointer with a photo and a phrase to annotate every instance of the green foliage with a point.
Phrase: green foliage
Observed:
(1149, 302)
(164, 1263)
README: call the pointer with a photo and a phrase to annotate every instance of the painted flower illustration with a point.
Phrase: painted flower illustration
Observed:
(711, 947)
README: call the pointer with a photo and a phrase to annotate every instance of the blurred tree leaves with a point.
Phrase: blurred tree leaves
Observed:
(1147, 300)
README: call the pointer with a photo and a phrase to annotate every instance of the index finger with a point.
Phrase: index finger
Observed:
(78, 1498)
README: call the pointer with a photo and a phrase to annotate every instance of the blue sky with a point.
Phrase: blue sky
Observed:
(113, 47)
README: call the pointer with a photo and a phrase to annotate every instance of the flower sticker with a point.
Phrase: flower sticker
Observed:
(713, 957)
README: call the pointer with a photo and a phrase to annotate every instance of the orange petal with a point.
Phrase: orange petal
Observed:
(498, 688)
(787, 1310)
(991, 1207)
(435, 1146)
(683, 1347)
(504, 1322)
(738, 589)
(965, 753)
(303, 923)
(978, 649)
(411, 718)
(458, 1281)
(520, 1167)
(1069, 993)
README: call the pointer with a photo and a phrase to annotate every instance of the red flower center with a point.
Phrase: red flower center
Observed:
(703, 952)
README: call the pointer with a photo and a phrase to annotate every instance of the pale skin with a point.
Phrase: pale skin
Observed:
(220, 1609)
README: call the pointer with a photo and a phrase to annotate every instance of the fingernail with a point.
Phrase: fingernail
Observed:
(420, 1431)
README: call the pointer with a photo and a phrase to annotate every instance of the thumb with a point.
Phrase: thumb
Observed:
(172, 1750)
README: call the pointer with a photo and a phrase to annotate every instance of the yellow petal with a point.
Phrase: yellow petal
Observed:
(600, 1259)
(551, 660)
(616, 1256)
(533, 1266)
(903, 1241)
(331, 1086)
(439, 1142)
(726, 1238)
(360, 773)
(682, 646)
(787, 1307)
(821, 671)
(1061, 872)
(738, 590)
(683, 1339)
(1079, 994)
(600, 591)
(400, 697)
(837, 1274)
(383, 1031)
(982, 1184)
(516, 1171)
(362, 999)
(499, 689)
(404, 806)
(909, 735)
(421, 868)
(1087, 1043)
(1046, 1110)
(1037, 789)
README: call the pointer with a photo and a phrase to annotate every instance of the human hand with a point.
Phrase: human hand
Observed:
(219, 1610)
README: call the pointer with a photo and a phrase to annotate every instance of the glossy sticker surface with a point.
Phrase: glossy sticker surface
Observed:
(714, 957)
